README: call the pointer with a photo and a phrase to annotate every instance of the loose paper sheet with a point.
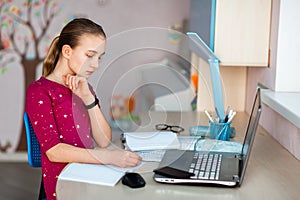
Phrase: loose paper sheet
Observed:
(107, 175)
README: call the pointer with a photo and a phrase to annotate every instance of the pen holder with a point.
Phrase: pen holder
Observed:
(219, 130)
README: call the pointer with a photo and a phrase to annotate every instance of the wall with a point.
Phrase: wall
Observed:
(283, 73)
(288, 70)
(233, 80)
(117, 17)
(266, 76)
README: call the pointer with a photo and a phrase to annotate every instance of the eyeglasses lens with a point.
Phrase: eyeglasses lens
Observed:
(162, 126)
(176, 129)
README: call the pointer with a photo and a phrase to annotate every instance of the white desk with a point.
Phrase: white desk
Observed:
(272, 173)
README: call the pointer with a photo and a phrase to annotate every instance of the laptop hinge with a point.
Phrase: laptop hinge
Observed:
(236, 178)
(238, 156)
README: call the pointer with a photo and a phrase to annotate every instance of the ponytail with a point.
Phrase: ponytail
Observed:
(52, 57)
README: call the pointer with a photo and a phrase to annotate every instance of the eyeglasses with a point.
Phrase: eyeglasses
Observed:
(163, 127)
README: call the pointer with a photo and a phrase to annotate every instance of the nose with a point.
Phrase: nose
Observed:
(95, 63)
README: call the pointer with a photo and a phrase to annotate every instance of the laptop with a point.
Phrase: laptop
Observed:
(224, 168)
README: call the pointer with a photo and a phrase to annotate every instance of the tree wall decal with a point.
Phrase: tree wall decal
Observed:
(24, 38)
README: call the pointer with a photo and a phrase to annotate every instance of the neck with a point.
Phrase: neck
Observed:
(58, 74)
(58, 77)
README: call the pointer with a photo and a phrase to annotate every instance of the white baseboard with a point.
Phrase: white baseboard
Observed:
(13, 157)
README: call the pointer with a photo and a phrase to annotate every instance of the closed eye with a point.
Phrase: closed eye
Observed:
(90, 55)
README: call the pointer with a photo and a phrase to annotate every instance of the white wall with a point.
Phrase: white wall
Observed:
(288, 51)
(283, 73)
(116, 16)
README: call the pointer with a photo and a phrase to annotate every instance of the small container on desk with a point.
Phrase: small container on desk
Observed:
(219, 130)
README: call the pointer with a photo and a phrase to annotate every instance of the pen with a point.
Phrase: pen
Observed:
(228, 110)
(230, 113)
(219, 116)
(208, 115)
(226, 119)
(231, 117)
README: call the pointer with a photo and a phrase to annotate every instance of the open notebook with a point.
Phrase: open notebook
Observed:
(141, 141)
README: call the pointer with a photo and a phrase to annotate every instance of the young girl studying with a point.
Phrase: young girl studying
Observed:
(64, 109)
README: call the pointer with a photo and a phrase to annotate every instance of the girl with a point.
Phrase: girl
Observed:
(64, 109)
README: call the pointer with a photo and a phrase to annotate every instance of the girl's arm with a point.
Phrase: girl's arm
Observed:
(100, 127)
(67, 153)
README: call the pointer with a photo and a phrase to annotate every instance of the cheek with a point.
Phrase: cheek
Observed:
(77, 63)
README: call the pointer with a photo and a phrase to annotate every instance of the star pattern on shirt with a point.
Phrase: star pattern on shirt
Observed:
(72, 125)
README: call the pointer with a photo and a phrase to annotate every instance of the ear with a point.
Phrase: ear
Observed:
(66, 51)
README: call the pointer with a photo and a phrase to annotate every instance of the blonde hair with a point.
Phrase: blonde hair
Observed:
(51, 59)
(70, 35)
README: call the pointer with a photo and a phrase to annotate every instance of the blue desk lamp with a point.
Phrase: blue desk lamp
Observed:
(198, 46)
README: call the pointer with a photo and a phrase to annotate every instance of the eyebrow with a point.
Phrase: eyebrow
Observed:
(93, 51)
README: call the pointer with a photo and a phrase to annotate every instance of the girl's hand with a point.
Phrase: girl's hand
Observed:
(120, 158)
(79, 86)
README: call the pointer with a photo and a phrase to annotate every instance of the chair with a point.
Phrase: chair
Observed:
(34, 153)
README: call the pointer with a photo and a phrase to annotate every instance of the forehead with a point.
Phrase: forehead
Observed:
(92, 42)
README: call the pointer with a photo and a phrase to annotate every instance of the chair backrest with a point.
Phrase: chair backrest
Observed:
(33, 146)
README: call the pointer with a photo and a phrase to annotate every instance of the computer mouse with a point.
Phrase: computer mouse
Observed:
(133, 180)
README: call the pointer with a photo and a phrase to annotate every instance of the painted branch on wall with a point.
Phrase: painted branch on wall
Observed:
(24, 37)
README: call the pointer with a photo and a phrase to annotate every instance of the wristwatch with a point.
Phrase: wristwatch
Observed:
(92, 105)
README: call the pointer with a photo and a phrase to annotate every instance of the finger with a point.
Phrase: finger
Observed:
(76, 82)
(133, 155)
(69, 81)
(138, 156)
(73, 80)
(131, 164)
(129, 159)
(65, 79)
(135, 160)
(80, 80)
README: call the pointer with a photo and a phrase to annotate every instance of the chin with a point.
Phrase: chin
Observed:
(85, 75)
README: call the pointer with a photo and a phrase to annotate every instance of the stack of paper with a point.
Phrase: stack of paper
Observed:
(140, 141)
(95, 174)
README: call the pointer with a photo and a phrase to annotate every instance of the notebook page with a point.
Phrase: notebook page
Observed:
(95, 174)
(139, 141)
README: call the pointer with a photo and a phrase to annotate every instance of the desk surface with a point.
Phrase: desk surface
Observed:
(272, 172)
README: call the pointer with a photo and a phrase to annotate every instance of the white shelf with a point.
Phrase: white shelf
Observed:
(285, 103)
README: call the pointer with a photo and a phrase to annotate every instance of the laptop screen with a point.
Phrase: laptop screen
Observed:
(250, 133)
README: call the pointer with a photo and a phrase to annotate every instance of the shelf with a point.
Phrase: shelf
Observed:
(285, 103)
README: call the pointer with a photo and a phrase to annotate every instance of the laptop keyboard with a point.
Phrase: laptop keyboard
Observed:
(206, 166)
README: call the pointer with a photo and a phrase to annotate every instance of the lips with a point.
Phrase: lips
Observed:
(90, 72)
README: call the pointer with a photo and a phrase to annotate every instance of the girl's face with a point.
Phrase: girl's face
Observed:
(85, 57)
